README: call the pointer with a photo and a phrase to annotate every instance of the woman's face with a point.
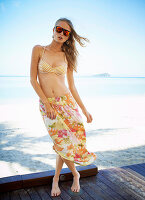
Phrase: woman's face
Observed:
(60, 37)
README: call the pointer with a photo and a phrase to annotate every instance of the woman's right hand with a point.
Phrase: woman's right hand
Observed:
(50, 112)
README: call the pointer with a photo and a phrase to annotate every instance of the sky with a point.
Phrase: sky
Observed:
(115, 28)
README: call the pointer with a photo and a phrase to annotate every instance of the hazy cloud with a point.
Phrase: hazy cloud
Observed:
(16, 3)
(2, 6)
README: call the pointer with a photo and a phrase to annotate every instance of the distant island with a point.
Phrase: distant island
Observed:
(107, 75)
(102, 75)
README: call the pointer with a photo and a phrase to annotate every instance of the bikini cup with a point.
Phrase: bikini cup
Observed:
(44, 67)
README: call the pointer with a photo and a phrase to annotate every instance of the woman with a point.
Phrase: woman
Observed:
(58, 104)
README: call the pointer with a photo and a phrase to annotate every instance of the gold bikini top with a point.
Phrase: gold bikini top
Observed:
(44, 67)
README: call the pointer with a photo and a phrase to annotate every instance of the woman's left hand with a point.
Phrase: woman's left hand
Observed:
(88, 115)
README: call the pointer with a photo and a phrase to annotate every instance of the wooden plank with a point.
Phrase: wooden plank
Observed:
(121, 194)
(42, 178)
(90, 183)
(93, 193)
(48, 188)
(142, 170)
(124, 183)
(136, 168)
(85, 195)
(11, 183)
(67, 188)
(127, 193)
(94, 181)
(14, 195)
(142, 164)
(33, 194)
(67, 194)
(5, 196)
(42, 193)
(111, 188)
(63, 194)
(37, 179)
(24, 194)
(139, 179)
(130, 182)
(85, 171)
(134, 173)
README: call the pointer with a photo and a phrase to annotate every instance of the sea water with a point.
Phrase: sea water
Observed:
(19, 88)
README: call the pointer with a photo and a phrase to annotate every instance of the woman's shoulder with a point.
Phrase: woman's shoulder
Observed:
(38, 47)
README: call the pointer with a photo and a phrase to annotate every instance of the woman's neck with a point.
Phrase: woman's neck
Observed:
(55, 46)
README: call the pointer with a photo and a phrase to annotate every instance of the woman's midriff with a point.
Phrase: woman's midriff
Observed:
(52, 84)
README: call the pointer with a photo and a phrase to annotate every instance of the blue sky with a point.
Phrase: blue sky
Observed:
(115, 28)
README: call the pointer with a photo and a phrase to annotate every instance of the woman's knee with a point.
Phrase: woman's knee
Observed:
(61, 158)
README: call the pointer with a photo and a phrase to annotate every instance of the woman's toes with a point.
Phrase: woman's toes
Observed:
(55, 191)
(76, 186)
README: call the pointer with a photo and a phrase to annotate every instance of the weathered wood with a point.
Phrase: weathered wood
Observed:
(42, 178)
(143, 165)
(93, 193)
(11, 183)
(139, 181)
(66, 186)
(115, 190)
(108, 175)
(37, 179)
(140, 168)
(136, 174)
(107, 190)
(64, 195)
(96, 181)
(85, 195)
(120, 183)
(42, 193)
(24, 195)
(5, 196)
(85, 171)
(118, 179)
(48, 188)
(137, 168)
(33, 194)
(14, 195)
(130, 182)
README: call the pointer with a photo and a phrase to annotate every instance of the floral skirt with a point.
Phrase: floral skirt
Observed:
(67, 129)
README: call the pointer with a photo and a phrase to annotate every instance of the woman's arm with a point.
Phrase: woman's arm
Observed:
(33, 73)
(76, 96)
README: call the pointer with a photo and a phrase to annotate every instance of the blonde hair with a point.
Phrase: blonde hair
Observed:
(69, 47)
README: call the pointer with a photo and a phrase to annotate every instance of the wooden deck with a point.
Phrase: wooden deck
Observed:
(120, 183)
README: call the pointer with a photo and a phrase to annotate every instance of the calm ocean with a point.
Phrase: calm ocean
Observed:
(19, 88)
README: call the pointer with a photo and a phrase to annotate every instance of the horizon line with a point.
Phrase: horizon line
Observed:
(81, 75)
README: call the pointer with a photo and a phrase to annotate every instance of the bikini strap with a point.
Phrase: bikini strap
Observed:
(43, 52)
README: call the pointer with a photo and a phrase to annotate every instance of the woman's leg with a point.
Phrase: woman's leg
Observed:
(55, 188)
(59, 165)
(75, 186)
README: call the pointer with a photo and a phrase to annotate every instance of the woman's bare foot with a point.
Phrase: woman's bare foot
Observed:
(55, 188)
(76, 185)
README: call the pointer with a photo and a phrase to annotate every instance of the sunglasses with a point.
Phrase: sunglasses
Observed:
(60, 29)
